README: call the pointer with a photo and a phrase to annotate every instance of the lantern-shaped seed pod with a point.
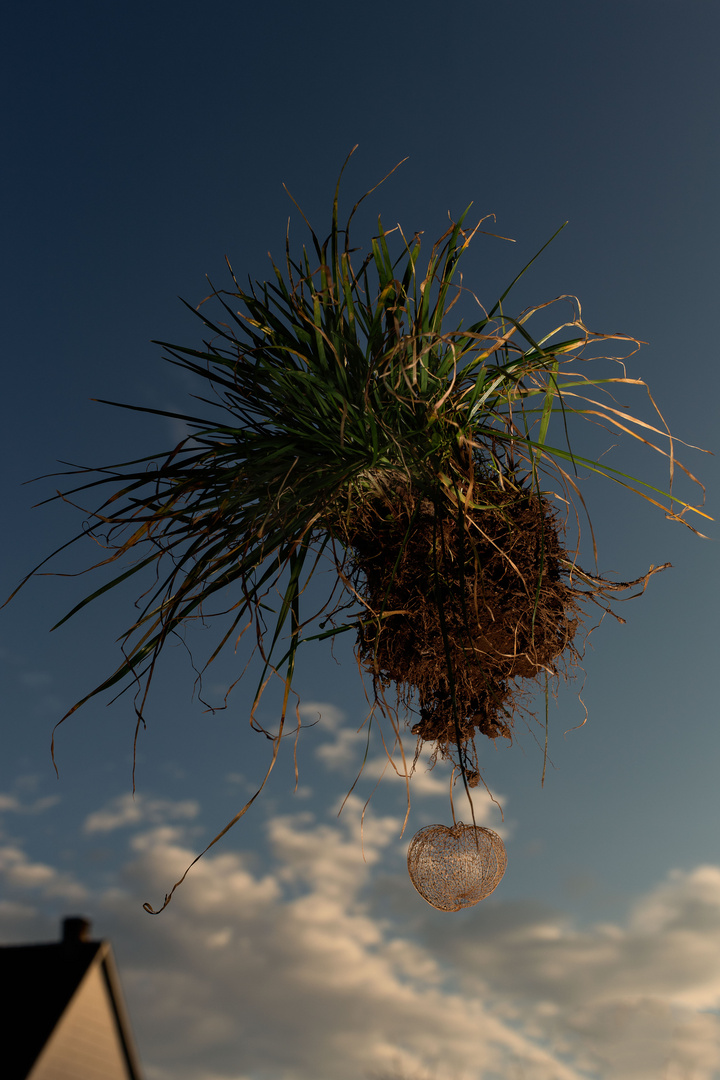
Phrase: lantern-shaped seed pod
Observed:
(455, 867)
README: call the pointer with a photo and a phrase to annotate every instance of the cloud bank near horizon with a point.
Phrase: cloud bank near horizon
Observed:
(307, 962)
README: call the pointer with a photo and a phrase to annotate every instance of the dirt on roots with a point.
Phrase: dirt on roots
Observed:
(461, 603)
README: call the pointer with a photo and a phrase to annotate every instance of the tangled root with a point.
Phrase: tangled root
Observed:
(461, 603)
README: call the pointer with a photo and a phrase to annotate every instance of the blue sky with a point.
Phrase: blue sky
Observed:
(143, 144)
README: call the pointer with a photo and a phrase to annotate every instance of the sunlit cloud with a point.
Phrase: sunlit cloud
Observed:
(313, 956)
(131, 809)
(290, 971)
(510, 988)
(328, 716)
(11, 804)
(22, 876)
(344, 748)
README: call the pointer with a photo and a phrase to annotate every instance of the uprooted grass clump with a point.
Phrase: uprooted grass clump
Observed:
(343, 417)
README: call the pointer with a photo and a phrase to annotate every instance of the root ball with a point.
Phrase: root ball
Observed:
(462, 602)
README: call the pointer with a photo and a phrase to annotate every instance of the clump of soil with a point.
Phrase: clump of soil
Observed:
(461, 602)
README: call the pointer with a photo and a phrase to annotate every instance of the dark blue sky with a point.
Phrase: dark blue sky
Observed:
(143, 143)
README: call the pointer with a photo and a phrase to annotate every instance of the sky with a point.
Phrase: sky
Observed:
(144, 143)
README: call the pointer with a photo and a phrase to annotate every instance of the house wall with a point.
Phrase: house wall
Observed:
(85, 1045)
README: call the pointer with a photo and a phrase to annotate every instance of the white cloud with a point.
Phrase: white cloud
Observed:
(306, 961)
(426, 782)
(11, 804)
(291, 974)
(19, 874)
(345, 748)
(323, 713)
(628, 996)
(138, 809)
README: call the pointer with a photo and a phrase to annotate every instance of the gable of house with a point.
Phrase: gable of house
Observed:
(65, 1017)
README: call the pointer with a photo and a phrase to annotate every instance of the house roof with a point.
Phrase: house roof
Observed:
(39, 983)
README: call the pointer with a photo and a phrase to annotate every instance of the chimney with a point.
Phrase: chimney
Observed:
(75, 928)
